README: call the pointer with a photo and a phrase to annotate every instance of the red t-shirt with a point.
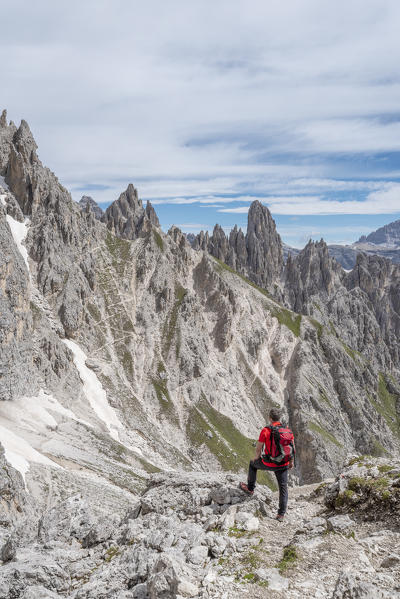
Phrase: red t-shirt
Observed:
(265, 438)
(265, 435)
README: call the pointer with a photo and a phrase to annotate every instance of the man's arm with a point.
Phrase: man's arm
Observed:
(259, 447)
(291, 462)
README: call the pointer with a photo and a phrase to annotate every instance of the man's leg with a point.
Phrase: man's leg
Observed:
(252, 476)
(282, 478)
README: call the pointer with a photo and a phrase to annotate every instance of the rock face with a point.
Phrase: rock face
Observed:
(14, 502)
(346, 255)
(258, 254)
(87, 204)
(128, 352)
(311, 273)
(127, 218)
(16, 327)
(386, 235)
(264, 246)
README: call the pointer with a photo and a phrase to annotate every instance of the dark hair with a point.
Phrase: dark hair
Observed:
(275, 415)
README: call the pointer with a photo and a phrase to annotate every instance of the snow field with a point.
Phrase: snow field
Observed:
(18, 452)
(34, 415)
(94, 391)
(19, 232)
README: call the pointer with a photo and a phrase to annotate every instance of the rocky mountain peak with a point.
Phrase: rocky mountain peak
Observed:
(87, 204)
(127, 218)
(258, 254)
(24, 142)
(264, 246)
(7, 132)
(151, 214)
(312, 272)
(3, 119)
(259, 219)
(388, 235)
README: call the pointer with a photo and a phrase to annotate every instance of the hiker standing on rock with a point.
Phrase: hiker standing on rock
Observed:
(278, 456)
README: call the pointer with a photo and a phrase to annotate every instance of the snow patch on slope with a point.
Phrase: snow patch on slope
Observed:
(3, 184)
(18, 452)
(94, 392)
(19, 232)
(35, 413)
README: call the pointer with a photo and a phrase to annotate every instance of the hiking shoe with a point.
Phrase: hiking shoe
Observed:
(280, 517)
(246, 489)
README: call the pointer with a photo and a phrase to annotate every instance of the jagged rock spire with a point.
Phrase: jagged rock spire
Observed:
(258, 254)
(264, 245)
(312, 272)
(88, 204)
(3, 119)
(127, 218)
(20, 165)
(152, 215)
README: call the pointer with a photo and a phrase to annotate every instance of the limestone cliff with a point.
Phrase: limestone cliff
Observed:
(258, 254)
(137, 344)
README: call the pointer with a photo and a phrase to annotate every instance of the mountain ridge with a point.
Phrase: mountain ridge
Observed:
(128, 352)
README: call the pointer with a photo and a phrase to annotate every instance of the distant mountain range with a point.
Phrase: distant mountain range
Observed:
(388, 235)
(384, 242)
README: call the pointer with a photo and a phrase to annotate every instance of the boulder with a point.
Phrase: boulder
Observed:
(8, 550)
(340, 523)
(198, 555)
(101, 531)
(276, 582)
(163, 582)
(70, 518)
(349, 586)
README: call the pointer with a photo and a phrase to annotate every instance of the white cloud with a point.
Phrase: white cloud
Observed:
(384, 201)
(198, 98)
(241, 210)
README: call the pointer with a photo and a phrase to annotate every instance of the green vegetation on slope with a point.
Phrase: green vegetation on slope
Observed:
(289, 319)
(245, 279)
(170, 324)
(160, 387)
(386, 405)
(119, 250)
(285, 317)
(349, 351)
(322, 432)
(317, 325)
(323, 395)
(158, 240)
(231, 448)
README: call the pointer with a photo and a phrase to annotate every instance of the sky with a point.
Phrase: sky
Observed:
(207, 105)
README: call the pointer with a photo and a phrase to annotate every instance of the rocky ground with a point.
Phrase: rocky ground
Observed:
(198, 535)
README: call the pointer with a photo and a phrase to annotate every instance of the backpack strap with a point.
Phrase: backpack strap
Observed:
(274, 434)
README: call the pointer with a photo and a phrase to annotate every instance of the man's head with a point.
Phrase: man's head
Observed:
(274, 415)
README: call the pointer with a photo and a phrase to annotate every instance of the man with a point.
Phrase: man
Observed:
(279, 451)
